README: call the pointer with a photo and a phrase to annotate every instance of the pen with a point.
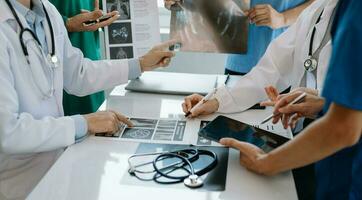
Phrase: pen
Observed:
(296, 101)
(203, 100)
(227, 79)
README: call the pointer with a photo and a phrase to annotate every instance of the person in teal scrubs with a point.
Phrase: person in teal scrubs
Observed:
(87, 40)
(333, 141)
(269, 18)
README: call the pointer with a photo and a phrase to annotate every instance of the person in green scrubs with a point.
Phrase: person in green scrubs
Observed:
(86, 38)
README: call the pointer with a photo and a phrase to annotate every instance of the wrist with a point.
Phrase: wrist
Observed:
(265, 166)
(216, 104)
(282, 22)
(68, 25)
(87, 118)
(321, 103)
(142, 64)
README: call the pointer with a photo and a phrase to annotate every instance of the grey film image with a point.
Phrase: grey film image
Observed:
(151, 129)
(218, 27)
(122, 6)
(121, 52)
(201, 140)
(120, 33)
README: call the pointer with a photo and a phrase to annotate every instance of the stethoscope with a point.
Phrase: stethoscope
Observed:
(50, 57)
(185, 158)
(311, 63)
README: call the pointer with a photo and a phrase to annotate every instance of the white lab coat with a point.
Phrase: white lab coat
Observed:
(282, 64)
(33, 130)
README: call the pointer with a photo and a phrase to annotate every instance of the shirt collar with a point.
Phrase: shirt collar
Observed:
(5, 13)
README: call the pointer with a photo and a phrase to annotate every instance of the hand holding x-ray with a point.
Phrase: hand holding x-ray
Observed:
(201, 26)
(169, 3)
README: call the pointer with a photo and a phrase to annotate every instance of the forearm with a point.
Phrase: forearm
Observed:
(25, 134)
(291, 15)
(318, 141)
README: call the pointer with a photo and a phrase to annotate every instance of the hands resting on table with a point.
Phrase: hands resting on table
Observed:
(250, 155)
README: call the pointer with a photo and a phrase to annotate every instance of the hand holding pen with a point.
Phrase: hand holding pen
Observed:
(295, 105)
(201, 102)
(196, 105)
(276, 115)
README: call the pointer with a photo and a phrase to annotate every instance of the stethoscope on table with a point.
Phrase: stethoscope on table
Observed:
(51, 57)
(180, 160)
(311, 63)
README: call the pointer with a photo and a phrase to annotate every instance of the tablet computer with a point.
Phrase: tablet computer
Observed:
(223, 127)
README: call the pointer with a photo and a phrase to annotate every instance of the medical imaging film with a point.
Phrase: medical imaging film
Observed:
(218, 26)
(201, 140)
(122, 6)
(120, 33)
(121, 52)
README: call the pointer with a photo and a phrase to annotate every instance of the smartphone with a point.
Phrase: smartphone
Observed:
(223, 127)
(93, 22)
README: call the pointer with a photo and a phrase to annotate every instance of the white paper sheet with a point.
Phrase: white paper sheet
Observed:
(135, 32)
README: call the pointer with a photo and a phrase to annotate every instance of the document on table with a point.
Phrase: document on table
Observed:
(174, 131)
(135, 32)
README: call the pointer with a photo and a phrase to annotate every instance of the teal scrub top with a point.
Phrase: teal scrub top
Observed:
(88, 43)
(340, 175)
(259, 38)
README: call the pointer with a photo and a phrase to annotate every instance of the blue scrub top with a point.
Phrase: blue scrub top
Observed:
(259, 38)
(340, 175)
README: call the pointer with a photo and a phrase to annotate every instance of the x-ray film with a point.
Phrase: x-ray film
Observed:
(218, 26)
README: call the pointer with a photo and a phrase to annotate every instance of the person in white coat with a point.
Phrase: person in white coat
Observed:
(283, 64)
(37, 61)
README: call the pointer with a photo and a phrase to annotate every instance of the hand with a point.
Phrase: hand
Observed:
(274, 95)
(105, 122)
(75, 24)
(208, 107)
(158, 56)
(266, 15)
(251, 157)
(290, 114)
(169, 3)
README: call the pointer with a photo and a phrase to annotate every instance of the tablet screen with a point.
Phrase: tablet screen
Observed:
(223, 127)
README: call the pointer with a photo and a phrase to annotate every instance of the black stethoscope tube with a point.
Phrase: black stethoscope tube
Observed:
(186, 163)
(24, 30)
(186, 156)
(313, 35)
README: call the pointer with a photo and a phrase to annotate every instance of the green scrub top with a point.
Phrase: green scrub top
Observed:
(88, 43)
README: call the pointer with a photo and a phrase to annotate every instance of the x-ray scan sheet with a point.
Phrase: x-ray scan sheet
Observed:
(135, 32)
(215, 26)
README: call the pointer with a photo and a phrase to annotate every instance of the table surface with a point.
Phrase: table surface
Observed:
(95, 168)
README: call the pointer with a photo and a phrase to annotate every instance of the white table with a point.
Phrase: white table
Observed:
(95, 168)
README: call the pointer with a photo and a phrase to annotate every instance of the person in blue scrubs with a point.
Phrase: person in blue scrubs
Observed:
(269, 18)
(334, 140)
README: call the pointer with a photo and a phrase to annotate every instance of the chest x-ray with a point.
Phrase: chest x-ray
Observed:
(218, 26)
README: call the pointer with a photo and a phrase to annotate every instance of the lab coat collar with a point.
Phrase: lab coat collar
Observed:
(5, 13)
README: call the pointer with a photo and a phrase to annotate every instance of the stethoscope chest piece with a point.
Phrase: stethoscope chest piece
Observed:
(310, 64)
(193, 181)
(53, 60)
